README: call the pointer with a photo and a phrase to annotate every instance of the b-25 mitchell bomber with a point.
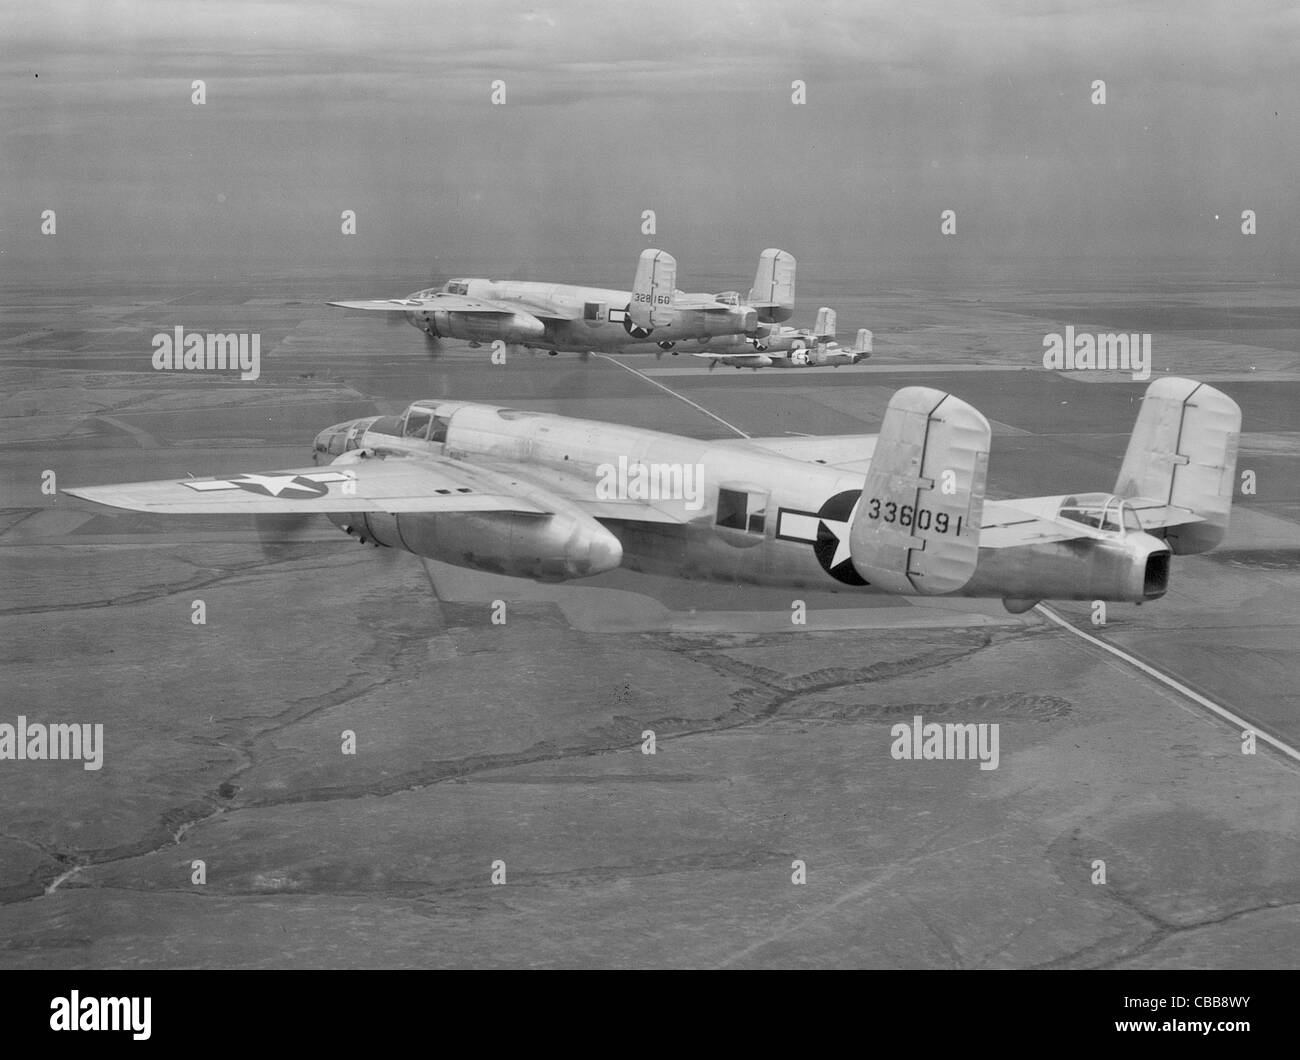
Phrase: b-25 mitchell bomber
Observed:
(554, 317)
(786, 347)
(551, 498)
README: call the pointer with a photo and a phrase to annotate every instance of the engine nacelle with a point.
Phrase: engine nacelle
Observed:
(548, 548)
(742, 320)
(1132, 568)
(485, 327)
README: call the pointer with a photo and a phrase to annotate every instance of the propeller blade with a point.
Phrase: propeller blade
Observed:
(286, 536)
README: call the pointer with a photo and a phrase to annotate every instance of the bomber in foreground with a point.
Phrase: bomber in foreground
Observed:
(551, 498)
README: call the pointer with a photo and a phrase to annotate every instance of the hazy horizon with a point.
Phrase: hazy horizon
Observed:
(385, 109)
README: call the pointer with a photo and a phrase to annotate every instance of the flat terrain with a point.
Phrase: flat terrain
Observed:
(522, 743)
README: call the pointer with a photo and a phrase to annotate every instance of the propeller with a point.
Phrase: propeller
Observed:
(296, 535)
(432, 343)
(285, 536)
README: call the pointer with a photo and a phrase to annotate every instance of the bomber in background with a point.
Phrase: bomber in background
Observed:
(547, 497)
(554, 317)
(786, 347)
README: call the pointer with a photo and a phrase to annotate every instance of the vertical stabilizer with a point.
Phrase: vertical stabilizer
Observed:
(652, 290)
(1183, 454)
(916, 528)
(773, 291)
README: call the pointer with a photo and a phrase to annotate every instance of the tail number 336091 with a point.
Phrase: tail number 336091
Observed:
(907, 515)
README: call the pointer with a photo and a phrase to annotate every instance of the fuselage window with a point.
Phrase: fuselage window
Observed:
(591, 311)
(732, 509)
(738, 510)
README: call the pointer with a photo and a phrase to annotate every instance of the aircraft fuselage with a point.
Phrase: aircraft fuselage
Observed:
(730, 513)
(569, 318)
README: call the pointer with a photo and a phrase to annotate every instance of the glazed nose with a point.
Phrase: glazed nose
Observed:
(330, 443)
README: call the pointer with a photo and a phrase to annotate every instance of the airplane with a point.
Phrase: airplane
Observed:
(554, 317)
(792, 347)
(551, 498)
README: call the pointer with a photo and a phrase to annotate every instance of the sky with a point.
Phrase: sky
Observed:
(684, 108)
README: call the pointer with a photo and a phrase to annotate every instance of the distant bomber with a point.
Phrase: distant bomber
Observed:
(554, 317)
(791, 347)
(535, 495)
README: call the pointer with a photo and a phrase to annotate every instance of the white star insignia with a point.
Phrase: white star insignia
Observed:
(841, 530)
(276, 484)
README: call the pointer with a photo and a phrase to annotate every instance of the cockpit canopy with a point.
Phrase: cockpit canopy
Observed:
(422, 421)
(456, 287)
(427, 420)
(1101, 511)
(727, 297)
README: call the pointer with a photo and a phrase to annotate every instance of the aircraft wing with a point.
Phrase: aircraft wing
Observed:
(579, 492)
(547, 311)
(452, 303)
(395, 484)
(744, 360)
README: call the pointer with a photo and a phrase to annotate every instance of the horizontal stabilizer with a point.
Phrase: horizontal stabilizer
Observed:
(699, 305)
(917, 526)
